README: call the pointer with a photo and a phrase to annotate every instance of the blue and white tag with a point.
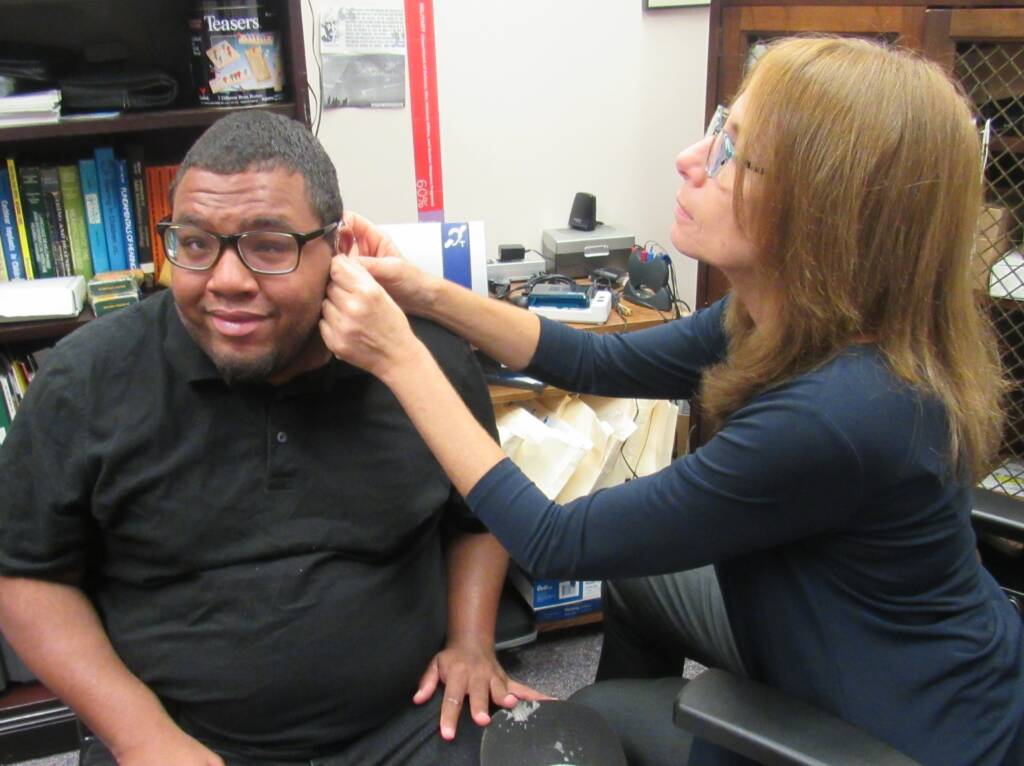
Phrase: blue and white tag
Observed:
(455, 253)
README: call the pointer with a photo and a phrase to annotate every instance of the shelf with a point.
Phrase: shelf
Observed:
(131, 122)
(42, 329)
(572, 622)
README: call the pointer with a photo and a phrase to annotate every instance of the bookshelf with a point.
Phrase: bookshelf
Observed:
(153, 33)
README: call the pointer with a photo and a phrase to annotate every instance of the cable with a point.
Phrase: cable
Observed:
(314, 39)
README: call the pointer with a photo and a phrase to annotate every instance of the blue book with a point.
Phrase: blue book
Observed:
(14, 258)
(125, 193)
(94, 216)
(110, 207)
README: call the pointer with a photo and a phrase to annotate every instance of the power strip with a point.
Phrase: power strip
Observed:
(597, 312)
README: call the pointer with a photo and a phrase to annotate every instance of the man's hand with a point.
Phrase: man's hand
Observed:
(470, 671)
(170, 747)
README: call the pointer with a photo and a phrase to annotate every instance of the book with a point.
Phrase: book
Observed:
(158, 195)
(13, 256)
(127, 214)
(94, 216)
(35, 108)
(56, 224)
(110, 207)
(3, 262)
(143, 239)
(74, 214)
(35, 221)
(19, 218)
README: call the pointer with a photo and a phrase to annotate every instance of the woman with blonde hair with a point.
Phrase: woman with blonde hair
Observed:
(855, 387)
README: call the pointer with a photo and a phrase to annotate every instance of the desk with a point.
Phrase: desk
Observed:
(641, 318)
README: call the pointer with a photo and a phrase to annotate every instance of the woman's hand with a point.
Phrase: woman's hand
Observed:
(362, 324)
(411, 288)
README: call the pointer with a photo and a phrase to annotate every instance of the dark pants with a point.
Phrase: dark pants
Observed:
(411, 738)
(651, 626)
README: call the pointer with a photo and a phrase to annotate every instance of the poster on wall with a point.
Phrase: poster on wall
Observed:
(363, 52)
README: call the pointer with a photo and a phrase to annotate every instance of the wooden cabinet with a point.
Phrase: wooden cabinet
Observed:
(982, 46)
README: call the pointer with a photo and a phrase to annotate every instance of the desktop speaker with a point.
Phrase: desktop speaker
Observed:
(583, 215)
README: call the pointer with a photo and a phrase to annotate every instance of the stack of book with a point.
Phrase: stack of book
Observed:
(16, 372)
(96, 215)
(36, 108)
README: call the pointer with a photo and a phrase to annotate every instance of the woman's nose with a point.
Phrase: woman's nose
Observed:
(691, 160)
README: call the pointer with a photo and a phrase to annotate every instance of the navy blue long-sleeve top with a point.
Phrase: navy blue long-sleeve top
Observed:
(844, 549)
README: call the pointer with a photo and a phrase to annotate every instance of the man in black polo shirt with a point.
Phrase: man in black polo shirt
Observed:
(217, 541)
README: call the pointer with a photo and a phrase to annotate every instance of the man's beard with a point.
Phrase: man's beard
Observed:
(242, 371)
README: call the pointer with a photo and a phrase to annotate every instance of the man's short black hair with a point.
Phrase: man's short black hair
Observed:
(260, 140)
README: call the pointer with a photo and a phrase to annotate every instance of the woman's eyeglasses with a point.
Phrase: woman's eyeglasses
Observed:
(722, 150)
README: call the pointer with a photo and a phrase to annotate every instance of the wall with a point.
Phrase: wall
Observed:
(538, 100)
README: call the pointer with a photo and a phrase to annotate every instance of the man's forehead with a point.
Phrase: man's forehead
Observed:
(271, 195)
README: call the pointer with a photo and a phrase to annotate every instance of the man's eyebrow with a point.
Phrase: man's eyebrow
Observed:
(249, 224)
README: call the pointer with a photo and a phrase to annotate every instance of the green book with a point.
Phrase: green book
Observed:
(74, 212)
(35, 221)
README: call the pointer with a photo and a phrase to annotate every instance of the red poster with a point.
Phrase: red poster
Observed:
(426, 129)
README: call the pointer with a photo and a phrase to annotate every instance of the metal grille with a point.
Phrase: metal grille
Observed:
(993, 76)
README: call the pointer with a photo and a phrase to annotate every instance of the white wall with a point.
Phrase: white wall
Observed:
(540, 99)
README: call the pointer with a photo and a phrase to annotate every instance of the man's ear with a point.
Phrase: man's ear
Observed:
(343, 242)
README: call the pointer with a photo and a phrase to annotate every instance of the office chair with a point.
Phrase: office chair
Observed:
(769, 727)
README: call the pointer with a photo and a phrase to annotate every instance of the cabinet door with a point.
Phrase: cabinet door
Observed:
(740, 28)
(984, 50)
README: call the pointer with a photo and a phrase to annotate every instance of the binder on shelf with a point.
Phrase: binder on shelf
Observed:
(127, 214)
(143, 239)
(110, 207)
(94, 216)
(74, 214)
(35, 221)
(13, 256)
(19, 218)
(56, 226)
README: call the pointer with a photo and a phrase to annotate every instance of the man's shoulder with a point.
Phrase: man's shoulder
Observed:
(116, 336)
(446, 346)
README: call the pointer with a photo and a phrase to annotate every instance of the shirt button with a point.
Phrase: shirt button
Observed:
(282, 437)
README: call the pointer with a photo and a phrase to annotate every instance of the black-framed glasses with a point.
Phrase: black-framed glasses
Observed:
(263, 252)
(721, 150)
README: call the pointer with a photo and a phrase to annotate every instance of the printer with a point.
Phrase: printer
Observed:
(576, 253)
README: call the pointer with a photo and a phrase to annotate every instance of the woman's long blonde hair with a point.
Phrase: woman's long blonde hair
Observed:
(865, 216)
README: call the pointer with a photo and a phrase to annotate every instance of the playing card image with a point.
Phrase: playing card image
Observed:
(257, 63)
(223, 54)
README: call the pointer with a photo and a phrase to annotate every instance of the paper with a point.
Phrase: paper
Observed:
(548, 456)
(363, 52)
(455, 251)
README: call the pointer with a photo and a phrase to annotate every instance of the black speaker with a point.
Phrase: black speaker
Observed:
(583, 215)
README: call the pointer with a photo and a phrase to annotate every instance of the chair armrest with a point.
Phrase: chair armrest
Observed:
(772, 728)
(998, 513)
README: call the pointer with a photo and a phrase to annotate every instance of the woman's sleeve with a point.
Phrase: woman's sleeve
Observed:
(663, 362)
(778, 471)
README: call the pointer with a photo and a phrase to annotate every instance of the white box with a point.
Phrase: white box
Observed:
(47, 298)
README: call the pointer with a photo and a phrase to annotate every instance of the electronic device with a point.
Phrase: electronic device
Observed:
(597, 310)
(583, 215)
(576, 253)
(511, 253)
(529, 266)
(648, 280)
(558, 295)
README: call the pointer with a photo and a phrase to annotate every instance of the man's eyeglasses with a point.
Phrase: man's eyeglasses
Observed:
(263, 252)
(721, 150)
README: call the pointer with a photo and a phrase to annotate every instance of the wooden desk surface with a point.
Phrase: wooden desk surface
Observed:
(642, 317)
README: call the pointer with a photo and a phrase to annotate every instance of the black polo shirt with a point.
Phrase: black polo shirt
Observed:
(267, 559)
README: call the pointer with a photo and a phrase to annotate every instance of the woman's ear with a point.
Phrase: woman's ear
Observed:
(344, 240)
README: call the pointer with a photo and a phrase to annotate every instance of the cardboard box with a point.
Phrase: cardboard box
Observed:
(557, 599)
(991, 242)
